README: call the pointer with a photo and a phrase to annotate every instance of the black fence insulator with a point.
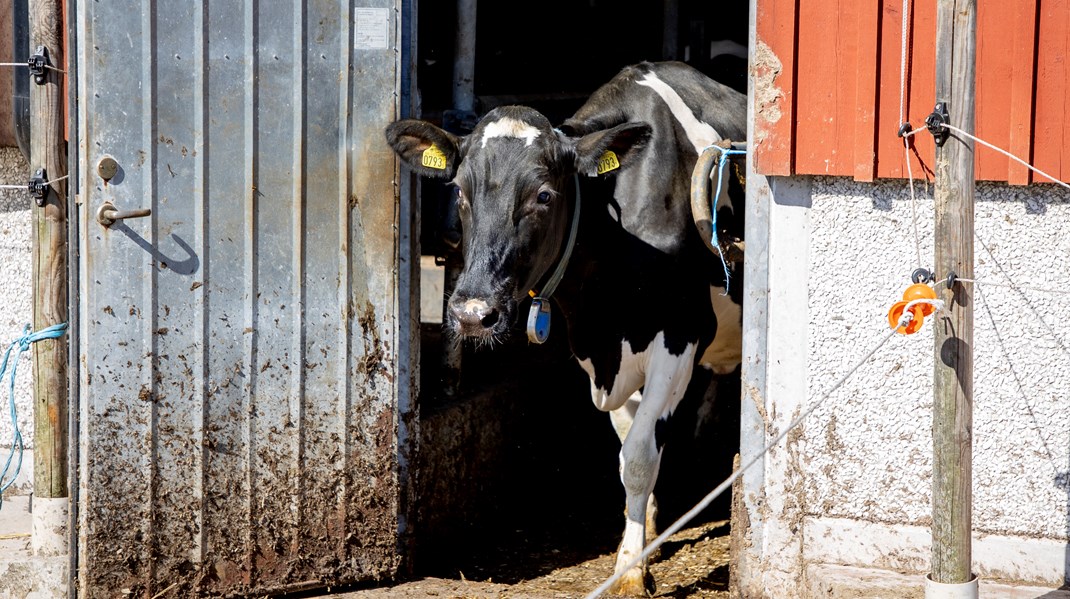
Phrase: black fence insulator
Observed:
(951, 278)
(38, 63)
(922, 275)
(38, 186)
(935, 123)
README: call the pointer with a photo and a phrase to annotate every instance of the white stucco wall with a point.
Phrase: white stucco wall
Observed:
(16, 309)
(841, 506)
(866, 455)
(869, 449)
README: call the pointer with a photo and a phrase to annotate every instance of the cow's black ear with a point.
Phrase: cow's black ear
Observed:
(427, 149)
(604, 152)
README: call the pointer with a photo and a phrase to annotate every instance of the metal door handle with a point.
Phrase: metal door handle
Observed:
(107, 214)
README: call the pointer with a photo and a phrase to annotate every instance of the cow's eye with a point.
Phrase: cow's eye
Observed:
(544, 197)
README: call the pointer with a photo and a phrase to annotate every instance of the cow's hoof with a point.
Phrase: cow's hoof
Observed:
(634, 583)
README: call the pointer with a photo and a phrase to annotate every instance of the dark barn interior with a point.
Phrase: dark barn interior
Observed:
(515, 459)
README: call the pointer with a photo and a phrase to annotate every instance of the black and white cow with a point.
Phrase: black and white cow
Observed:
(599, 208)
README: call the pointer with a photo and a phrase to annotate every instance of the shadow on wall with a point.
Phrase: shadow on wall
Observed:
(1061, 479)
(886, 195)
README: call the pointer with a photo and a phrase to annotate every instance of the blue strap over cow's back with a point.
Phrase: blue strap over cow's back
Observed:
(722, 161)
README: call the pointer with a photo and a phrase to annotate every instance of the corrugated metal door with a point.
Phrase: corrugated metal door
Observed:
(243, 424)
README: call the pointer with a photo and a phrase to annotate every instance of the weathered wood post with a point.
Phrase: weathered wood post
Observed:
(48, 150)
(953, 371)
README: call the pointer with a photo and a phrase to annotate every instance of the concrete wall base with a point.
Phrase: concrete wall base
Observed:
(24, 575)
(34, 577)
(843, 582)
(50, 523)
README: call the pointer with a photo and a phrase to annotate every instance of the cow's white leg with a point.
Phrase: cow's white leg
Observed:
(622, 419)
(667, 376)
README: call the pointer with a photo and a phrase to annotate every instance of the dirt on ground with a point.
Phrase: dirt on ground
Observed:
(693, 565)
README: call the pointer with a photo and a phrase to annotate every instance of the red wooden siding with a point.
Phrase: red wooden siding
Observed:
(1053, 84)
(828, 87)
(774, 70)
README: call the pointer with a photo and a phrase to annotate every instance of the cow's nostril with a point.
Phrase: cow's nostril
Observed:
(489, 320)
(474, 316)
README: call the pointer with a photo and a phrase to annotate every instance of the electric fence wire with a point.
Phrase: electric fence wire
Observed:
(1012, 286)
(903, 62)
(24, 187)
(1002, 151)
(23, 64)
(904, 40)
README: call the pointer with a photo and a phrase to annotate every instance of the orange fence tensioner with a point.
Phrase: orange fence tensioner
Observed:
(918, 311)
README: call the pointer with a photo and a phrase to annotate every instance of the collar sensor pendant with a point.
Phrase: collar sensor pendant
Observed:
(539, 320)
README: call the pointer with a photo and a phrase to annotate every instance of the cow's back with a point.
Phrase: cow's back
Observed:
(687, 112)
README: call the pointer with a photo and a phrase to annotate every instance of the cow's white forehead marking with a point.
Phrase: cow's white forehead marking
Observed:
(698, 133)
(510, 127)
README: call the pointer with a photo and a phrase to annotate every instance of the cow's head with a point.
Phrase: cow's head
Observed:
(513, 177)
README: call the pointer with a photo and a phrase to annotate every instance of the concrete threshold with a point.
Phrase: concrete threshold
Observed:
(24, 575)
(843, 582)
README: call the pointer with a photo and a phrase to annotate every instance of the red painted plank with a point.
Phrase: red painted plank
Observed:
(1020, 134)
(825, 51)
(920, 82)
(774, 73)
(996, 50)
(868, 58)
(889, 149)
(1049, 138)
(923, 84)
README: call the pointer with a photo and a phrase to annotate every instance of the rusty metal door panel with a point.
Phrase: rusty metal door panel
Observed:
(243, 423)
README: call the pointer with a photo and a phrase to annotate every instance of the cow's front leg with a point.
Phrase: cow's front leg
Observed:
(667, 376)
(640, 462)
(622, 419)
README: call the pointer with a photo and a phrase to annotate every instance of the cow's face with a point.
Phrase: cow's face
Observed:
(513, 179)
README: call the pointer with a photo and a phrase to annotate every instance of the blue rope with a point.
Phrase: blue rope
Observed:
(53, 332)
(722, 161)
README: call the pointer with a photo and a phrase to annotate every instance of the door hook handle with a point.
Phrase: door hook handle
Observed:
(107, 214)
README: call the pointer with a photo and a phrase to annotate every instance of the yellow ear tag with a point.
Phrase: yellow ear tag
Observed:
(434, 158)
(607, 162)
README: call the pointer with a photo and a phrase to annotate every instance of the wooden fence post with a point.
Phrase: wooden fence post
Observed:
(48, 150)
(953, 371)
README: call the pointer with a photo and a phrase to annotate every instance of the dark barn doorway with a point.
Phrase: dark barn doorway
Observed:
(517, 465)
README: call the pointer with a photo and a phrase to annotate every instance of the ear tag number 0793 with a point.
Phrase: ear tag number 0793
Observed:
(434, 158)
(539, 320)
(607, 162)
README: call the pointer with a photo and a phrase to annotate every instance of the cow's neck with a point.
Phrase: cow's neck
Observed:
(561, 266)
(615, 280)
(596, 238)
